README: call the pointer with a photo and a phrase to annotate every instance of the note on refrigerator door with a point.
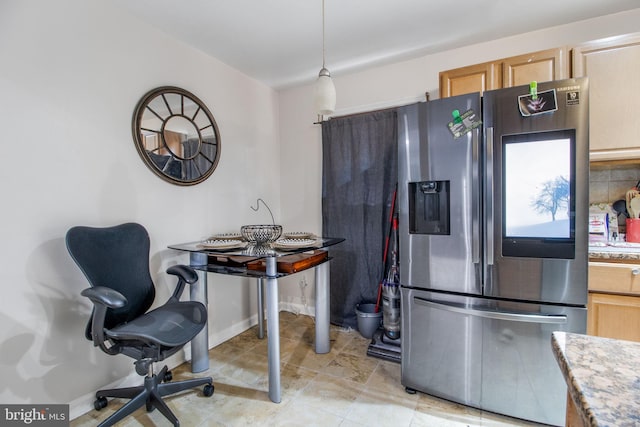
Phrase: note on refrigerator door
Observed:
(464, 123)
(542, 102)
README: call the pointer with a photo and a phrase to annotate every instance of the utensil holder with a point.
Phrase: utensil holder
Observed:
(633, 230)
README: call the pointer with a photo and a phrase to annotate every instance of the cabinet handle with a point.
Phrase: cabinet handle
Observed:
(635, 271)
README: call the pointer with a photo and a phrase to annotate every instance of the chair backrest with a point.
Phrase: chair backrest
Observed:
(118, 258)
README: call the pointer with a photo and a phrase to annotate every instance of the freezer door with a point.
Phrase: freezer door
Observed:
(441, 350)
(536, 194)
(439, 196)
(520, 376)
(491, 354)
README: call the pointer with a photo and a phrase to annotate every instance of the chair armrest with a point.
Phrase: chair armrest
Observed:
(105, 296)
(102, 298)
(185, 274)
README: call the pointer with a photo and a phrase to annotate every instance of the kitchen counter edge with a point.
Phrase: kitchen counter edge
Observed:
(630, 257)
(601, 376)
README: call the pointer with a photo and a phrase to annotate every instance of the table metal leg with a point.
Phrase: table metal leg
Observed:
(198, 292)
(260, 308)
(322, 308)
(273, 331)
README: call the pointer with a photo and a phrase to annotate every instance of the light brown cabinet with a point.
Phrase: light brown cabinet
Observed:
(614, 301)
(540, 66)
(614, 316)
(543, 66)
(613, 68)
(572, 417)
(474, 78)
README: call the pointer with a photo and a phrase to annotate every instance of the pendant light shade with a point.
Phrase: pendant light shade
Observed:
(325, 91)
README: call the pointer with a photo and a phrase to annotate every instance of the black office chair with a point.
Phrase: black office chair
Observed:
(115, 261)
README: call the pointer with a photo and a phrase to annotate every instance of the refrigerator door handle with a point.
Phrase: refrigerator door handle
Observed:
(475, 198)
(498, 315)
(489, 202)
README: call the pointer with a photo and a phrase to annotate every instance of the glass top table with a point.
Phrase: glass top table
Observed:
(257, 250)
(205, 259)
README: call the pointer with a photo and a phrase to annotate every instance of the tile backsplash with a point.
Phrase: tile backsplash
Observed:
(608, 183)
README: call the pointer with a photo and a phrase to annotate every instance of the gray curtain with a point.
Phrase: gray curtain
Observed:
(359, 174)
(201, 163)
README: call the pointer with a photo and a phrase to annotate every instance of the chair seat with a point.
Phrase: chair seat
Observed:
(171, 325)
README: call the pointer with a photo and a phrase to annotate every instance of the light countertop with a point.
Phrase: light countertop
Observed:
(615, 252)
(603, 377)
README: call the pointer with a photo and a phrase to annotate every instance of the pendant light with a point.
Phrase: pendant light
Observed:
(325, 91)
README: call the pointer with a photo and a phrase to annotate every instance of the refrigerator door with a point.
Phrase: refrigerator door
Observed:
(494, 355)
(520, 376)
(439, 196)
(536, 193)
(441, 350)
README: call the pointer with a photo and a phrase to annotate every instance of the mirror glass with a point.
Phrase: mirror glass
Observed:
(176, 135)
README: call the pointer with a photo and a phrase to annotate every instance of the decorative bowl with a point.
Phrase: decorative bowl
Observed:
(261, 233)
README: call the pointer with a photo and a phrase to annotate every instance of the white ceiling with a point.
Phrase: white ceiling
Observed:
(279, 42)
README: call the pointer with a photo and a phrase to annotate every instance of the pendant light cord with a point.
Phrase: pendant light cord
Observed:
(323, 34)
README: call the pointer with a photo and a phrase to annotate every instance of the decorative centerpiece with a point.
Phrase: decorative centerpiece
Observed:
(261, 233)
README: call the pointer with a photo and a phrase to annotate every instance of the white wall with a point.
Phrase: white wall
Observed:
(71, 74)
(391, 85)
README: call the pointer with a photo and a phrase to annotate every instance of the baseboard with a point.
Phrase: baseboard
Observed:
(297, 308)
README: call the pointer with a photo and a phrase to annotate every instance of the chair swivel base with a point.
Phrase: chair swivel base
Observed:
(150, 394)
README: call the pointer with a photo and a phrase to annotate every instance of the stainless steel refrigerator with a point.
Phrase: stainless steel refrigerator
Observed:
(493, 209)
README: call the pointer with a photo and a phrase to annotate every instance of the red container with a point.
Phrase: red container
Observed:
(633, 230)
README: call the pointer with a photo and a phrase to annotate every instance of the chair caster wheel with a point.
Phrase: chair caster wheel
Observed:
(100, 403)
(168, 376)
(208, 390)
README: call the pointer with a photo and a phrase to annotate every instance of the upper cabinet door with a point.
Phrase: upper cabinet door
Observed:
(474, 78)
(613, 68)
(543, 66)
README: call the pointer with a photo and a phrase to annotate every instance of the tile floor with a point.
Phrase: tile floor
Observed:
(343, 388)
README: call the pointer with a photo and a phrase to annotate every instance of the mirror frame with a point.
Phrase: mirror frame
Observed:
(163, 117)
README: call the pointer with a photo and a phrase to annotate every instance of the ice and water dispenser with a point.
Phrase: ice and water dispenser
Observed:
(429, 204)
